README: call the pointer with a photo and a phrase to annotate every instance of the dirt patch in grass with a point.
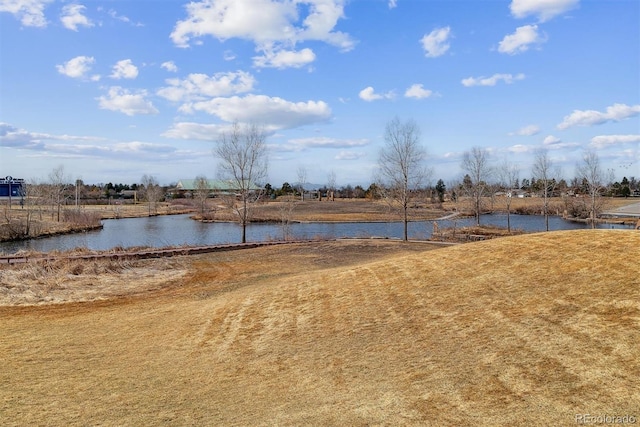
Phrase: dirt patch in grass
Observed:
(529, 329)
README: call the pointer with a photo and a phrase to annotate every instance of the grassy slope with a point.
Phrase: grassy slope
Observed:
(536, 327)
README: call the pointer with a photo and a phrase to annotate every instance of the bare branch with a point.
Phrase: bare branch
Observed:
(476, 164)
(243, 161)
(401, 163)
(508, 175)
(591, 172)
(545, 172)
(152, 192)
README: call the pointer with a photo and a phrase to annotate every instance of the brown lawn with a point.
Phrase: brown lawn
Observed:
(530, 329)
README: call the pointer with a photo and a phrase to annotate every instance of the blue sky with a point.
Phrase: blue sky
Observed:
(113, 90)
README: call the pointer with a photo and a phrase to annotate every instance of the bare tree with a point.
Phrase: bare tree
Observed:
(594, 176)
(286, 206)
(243, 160)
(201, 193)
(58, 182)
(545, 172)
(331, 185)
(302, 180)
(476, 164)
(508, 174)
(152, 192)
(20, 226)
(401, 163)
(31, 193)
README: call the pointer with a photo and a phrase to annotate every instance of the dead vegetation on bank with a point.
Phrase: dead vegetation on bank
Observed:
(340, 210)
(471, 234)
(19, 224)
(62, 280)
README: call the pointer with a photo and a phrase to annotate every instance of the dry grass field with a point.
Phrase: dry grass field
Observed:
(339, 210)
(523, 330)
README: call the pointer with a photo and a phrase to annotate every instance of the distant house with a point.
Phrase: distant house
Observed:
(186, 187)
(516, 192)
(129, 194)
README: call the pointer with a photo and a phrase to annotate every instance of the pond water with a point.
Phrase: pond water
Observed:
(173, 230)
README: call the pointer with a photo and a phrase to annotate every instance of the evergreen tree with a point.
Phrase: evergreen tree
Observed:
(441, 189)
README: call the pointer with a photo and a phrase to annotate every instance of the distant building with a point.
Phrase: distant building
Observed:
(12, 187)
(129, 194)
(515, 192)
(186, 187)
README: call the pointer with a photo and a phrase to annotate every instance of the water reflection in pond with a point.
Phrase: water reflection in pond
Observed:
(181, 230)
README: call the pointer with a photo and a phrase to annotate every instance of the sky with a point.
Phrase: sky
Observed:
(114, 90)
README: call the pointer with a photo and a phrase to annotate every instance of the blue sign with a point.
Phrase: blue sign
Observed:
(11, 187)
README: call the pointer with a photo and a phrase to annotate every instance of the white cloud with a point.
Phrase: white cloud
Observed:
(368, 94)
(551, 140)
(519, 41)
(319, 24)
(284, 59)
(451, 156)
(543, 9)
(45, 145)
(350, 155)
(30, 12)
(143, 147)
(112, 13)
(556, 143)
(603, 141)
(123, 18)
(325, 142)
(491, 81)
(197, 131)
(614, 113)
(200, 86)
(124, 69)
(271, 112)
(8, 132)
(436, 42)
(520, 148)
(418, 92)
(124, 101)
(228, 55)
(12, 137)
(303, 144)
(393, 4)
(72, 17)
(529, 130)
(169, 66)
(78, 67)
(270, 24)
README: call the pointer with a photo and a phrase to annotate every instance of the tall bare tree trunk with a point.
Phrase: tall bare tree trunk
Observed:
(401, 165)
(243, 156)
